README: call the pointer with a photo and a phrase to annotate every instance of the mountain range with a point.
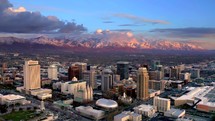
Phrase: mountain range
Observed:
(95, 42)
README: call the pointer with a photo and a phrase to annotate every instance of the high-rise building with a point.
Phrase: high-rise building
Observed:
(155, 75)
(162, 104)
(161, 69)
(107, 80)
(73, 71)
(185, 76)
(155, 84)
(155, 63)
(90, 78)
(195, 73)
(167, 72)
(174, 73)
(52, 72)
(82, 67)
(32, 75)
(142, 84)
(122, 70)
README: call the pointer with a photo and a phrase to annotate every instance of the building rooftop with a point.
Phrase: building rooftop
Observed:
(106, 103)
(107, 70)
(144, 107)
(122, 62)
(74, 79)
(12, 97)
(121, 115)
(206, 94)
(90, 109)
(175, 112)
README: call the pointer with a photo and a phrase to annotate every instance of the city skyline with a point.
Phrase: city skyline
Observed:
(172, 20)
(157, 86)
(107, 60)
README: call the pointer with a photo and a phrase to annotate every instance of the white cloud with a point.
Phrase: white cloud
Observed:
(138, 19)
(18, 10)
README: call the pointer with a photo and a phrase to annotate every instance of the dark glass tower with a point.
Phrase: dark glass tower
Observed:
(122, 70)
(73, 71)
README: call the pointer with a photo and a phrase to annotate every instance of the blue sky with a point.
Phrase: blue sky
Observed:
(92, 14)
(185, 20)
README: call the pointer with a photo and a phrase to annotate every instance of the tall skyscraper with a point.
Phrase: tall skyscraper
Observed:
(82, 67)
(90, 78)
(107, 80)
(142, 84)
(174, 72)
(73, 71)
(32, 75)
(122, 70)
(52, 72)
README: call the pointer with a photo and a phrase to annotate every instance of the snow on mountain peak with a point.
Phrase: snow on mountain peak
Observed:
(110, 39)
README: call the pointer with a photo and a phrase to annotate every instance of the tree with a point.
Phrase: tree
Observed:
(3, 108)
(28, 108)
(17, 104)
(62, 107)
(35, 107)
(13, 110)
(20, 109)
(213, 117)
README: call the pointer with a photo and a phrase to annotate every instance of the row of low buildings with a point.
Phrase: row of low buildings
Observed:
(159, 105)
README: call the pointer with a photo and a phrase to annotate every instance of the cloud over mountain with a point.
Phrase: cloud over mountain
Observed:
(186, 32)
(22, 21)
(138, 19)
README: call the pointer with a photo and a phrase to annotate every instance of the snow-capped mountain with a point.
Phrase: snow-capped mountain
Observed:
(99, 42)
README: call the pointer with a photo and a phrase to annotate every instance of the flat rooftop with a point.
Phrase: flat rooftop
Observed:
(12, 97)
(122, 62)
(206, 94)
(144, 107)
(175, 112)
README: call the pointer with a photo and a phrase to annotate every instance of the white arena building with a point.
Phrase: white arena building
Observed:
(106, 103)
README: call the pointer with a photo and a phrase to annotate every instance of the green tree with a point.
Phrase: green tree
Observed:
(3, 108)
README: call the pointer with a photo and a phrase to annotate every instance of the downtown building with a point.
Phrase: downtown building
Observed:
(162, 104)
(107, 80)
(76, 70)
(123, 70)
(32, 75)
(32, 81)
(142, 84)
(83, 95)
(90, 78)
(52, 72)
